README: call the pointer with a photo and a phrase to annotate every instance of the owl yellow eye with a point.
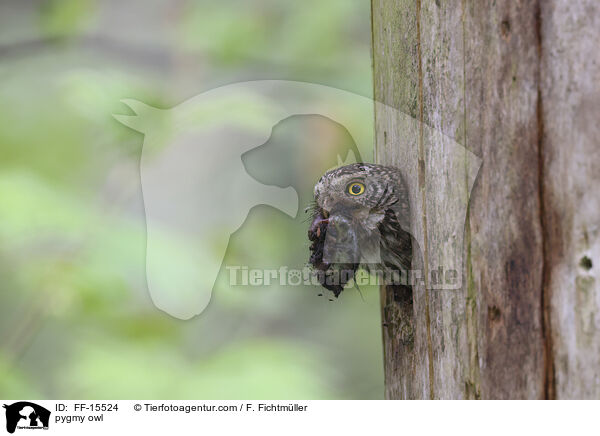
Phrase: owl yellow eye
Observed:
(356, 188)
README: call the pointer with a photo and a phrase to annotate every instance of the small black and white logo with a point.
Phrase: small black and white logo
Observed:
(26, 415)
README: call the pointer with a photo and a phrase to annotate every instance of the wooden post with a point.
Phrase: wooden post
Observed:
(518, 84)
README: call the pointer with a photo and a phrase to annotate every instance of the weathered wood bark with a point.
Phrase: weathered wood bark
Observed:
(517, 84)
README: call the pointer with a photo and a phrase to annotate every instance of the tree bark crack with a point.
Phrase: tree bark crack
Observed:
(549, 390)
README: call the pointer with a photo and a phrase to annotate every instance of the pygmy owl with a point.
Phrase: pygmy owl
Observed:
(361, 218)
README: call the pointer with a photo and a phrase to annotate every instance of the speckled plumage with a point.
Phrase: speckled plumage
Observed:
(369, 230)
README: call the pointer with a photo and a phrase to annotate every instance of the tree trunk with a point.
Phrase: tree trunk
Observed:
(518, 85)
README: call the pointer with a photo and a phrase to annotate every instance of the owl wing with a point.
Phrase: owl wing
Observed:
(396, 245)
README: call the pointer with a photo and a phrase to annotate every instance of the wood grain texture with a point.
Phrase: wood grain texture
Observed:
(502, 71)
(517, 83)
(442, 78)
(570, 97)
(395, 53)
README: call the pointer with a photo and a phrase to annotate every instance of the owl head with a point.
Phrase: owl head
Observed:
(359, 211)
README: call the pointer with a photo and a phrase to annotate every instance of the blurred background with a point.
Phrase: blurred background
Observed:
(76, 318)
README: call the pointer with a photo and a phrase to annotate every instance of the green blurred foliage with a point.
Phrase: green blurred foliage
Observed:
(65, 17)
(76, 320)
